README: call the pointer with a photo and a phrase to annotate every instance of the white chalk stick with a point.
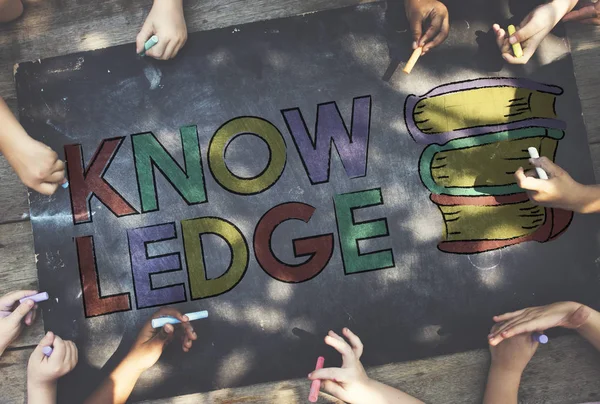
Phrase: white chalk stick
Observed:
(533, 153)
(161, 321)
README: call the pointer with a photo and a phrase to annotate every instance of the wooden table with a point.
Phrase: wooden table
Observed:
(565, 371)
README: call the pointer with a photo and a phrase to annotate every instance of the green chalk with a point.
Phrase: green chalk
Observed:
(149, 44)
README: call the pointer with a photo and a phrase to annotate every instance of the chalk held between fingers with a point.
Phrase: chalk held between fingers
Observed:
(539, 337)
(413, 60)
(47, 350)
(516, 47)
(40, 297)
(533, 153)
(161, 321)
(149, 44)
(316, 384)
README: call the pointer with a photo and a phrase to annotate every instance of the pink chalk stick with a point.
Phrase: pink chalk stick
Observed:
(40, 297)
(316, 384)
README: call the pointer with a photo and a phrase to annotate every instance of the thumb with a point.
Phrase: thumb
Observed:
(48, 340)
(20, 312)
(527, 183)
(144, 34)
(524, 33)
(548, 165)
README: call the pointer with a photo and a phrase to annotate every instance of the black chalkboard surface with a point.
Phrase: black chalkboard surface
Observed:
(285, 177)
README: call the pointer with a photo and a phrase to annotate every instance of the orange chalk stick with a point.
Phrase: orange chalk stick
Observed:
(413, 60)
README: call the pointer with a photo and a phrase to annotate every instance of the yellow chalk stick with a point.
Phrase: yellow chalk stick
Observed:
(413, 60)
(517, 50)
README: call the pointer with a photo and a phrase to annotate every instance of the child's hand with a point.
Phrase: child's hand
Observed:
(150, 342)
(13, 315)
(512, 355)
(36, 164)
(349, 383)
(43, 371)
(167, 22)
(559, 191)
(433, 15)
(533, 29)
(588, 14)
(561, 314)
(10, 10)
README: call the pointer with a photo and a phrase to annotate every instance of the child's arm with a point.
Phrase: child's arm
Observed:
(533, 29)
(509, 360)
(167, 22)
(572, 315)
(43, 371)
(350, 383)
(587, 14)
(429, 22)
(36, 164)
(560, 190)
(146, 350)
(13, 314)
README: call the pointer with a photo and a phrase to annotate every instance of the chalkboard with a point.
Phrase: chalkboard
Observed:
(288, 178)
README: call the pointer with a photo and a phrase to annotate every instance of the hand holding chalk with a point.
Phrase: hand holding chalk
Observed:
(520, 44)
(429, 23)
(13, 314)
(558, 190)
(50, 360)
(536, 319)
(512, 354)
(349, 383)
(36, 164)
(151, 341)
(164, 32)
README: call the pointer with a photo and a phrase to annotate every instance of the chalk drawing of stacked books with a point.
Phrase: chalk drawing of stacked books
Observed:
(478, 132)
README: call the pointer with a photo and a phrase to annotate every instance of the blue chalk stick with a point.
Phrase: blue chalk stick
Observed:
(149, 44)
(65, 184)
(539, 337)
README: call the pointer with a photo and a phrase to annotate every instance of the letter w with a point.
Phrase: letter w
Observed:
(330, 128)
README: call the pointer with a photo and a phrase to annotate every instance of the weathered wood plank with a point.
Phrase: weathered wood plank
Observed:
(565, 371)
(13, 371)
(18, 271)
(13, 197)
(585, 46)
(90, 24)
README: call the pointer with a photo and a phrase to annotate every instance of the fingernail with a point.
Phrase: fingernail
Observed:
(29, 303)
(512, 40)
(185, 318)
(309, 375)
(415, 45)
